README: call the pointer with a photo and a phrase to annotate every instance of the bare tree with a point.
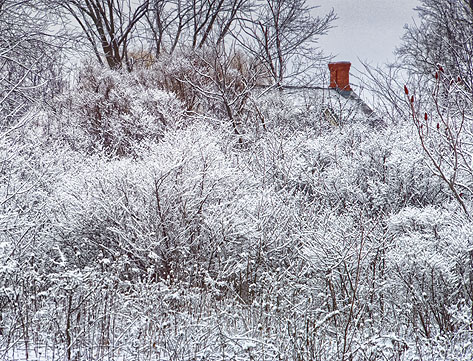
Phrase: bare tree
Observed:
(283, 35)
(225, 79)
(441, 48)
(444, 36)
(159, 20)
(30, 66)
(108, 25)
(29, 69)
(445, 131)
(193, 23)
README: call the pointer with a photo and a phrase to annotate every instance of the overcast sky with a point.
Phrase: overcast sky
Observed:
(366, 29)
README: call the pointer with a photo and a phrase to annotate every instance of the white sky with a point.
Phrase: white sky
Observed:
(365, 29)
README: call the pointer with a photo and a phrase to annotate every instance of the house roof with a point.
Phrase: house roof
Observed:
(338, 106)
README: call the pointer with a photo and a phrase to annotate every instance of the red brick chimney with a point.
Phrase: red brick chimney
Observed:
(340, 75)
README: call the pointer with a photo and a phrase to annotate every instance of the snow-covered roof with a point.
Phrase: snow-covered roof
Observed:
(338, 106)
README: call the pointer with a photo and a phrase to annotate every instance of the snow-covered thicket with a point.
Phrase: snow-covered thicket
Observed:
(174, 206)
(134, 229)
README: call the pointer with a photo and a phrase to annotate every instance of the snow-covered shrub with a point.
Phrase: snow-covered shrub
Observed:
(150, 217)
(210, 79)
(28, 168)
(443, 118)
(113, 112)
(429, 260)
(345, 182)
(358, 167)
(217, 82)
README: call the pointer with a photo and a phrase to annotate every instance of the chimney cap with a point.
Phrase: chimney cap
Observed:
(339, 62)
